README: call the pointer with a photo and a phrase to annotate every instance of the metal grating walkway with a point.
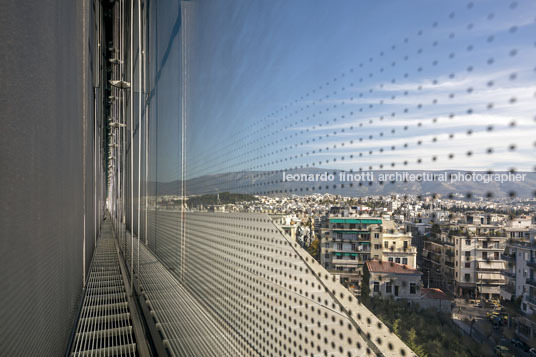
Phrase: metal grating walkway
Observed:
(105, 326)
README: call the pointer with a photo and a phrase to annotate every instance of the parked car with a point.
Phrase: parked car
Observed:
(532, 352)
(502, 351)
(492, 314)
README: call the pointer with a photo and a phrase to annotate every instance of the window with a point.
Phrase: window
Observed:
(352, 225)
(484, 244)
(456, 263)
(412, 288)
(484, 255)
(496, 255)
(376, 257)
(339, 246)
(405, 244)
(456, 272)
(390, 259)
(397, 260)
(467, 254)
(377, 246)
(326, 256)
(376, 287)
(376, 235)
(405, 261)
(467, 277)
(468, 264)
(386, 244)
(352, 257)
(467, 242)
(388, 287)
(353, 246)
(339, 236)
(339, 268)
(338, 256)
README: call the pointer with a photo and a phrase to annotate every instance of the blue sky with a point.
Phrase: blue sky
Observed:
(279, 84)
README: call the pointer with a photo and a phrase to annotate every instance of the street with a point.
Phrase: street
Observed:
(483, 330)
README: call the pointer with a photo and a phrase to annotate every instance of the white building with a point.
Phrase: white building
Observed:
(394, 246)
(387, 279)
(478, 266)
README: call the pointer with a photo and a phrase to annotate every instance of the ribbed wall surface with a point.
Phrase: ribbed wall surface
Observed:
(47, 180)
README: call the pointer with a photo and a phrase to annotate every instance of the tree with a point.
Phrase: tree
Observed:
(396, 326)
(426, 332)
(435, 230)
(314, 248)
(365, 287)
(412, 343)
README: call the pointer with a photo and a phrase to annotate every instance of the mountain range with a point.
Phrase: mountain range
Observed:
(265, 182)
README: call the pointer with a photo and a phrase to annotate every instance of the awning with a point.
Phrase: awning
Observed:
(489, 289)
(345, 253)
(491, 265)
(490, 276)
(353, 232)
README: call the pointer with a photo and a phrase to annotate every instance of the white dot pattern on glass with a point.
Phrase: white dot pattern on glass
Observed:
(268, 296)
(352, 120)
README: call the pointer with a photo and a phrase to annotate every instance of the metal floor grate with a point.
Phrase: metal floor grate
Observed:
(105, 327)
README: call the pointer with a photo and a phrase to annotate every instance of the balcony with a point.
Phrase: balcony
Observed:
(399, 250)
(489, 249)
(339, 253)
(508, 274)
(435, 261)
(509, 258)
(531, 281)
(532, 263)
(349, 236)
(530, 299)
(509, 288)
(337, 262)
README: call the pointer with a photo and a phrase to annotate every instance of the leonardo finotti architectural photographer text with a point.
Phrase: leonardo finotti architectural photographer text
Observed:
(405, 176)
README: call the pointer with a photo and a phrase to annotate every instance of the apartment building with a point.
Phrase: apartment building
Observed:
(346, 244)
(438, 262)
(517, 257)
(393, 246)
(479, 218)
(418, 231)
(520, 282)
(478, 266)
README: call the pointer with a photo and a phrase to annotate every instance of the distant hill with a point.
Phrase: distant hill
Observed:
(260, 182)
(221, 198)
